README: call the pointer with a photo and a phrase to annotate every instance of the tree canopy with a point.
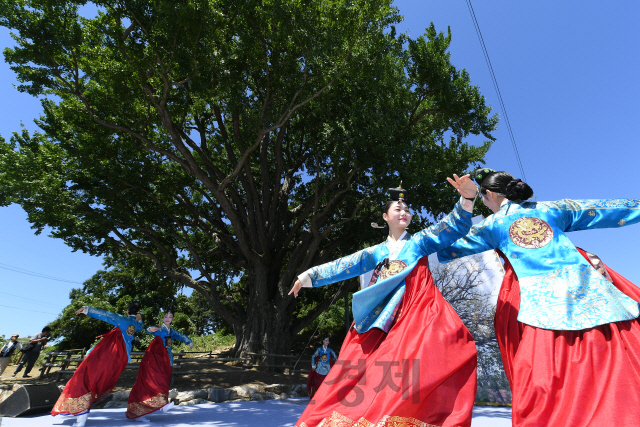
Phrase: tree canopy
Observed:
(233, 143)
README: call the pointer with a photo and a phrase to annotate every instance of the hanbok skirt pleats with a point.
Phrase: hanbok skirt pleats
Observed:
(313, 382)
(579, 378)
(422, 373)
(96, 376)
(151, 389)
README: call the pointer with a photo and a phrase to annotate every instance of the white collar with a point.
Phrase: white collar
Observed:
(504, 202)
(401, 239)
(164, 325)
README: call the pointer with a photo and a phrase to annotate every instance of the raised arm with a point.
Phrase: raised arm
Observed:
(105, 316)
(446, 231)
(472, 243)
(597, 213)
(181, 337)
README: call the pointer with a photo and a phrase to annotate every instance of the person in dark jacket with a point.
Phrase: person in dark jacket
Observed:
(31, 356)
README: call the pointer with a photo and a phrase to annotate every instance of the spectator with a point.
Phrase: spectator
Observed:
(31, 354)
(7, 351)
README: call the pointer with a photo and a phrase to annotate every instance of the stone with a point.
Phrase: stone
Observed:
(116, 404)
(293, 394)
(221, 394)
(284, 396)
(245, 390)
(276, 388)
(173, 393)
(193, 402)
(191, 395)
(121, 396)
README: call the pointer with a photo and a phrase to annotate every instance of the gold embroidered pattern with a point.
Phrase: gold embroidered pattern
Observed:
(392, 269)
(592, 213)
(530, 232)
(138, 409)
(622, 222)
(338, 420)
(74, 405)
(169, 341)
(131, 330)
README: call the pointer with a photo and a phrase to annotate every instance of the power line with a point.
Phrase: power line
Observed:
(35, 274)
(48, 304)
(28, 309)
(33, 250)
(495, 85)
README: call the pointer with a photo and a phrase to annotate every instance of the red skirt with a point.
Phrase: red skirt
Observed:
(580, 378)
(151, 389)
(95, 377)
(313, 382)
(422, 373)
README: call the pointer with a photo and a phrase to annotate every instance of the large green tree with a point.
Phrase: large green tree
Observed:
(234, 143)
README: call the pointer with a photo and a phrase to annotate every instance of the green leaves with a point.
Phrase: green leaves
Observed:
(233, 144)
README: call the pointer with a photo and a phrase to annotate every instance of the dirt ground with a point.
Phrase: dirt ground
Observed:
(209, 374)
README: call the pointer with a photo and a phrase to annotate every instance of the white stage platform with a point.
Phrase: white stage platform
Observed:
(268, 413)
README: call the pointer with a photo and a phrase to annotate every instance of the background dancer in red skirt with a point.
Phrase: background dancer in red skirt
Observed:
(151, 389)
(569, 335)
(408, 359)
(99, 371)
(321, 363)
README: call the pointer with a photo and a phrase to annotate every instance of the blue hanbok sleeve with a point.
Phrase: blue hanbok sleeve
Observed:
(181, 337)
(445, 232)
(333, 353)
(314, 357)
(341, 269)
(157, 333)
(473, 243)
(597, 213)
(107, 316)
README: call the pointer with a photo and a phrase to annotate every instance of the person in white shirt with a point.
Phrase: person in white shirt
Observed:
(7, 351)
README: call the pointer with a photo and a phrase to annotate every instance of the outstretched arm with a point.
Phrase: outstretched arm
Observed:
(335, 271)
(597, 213)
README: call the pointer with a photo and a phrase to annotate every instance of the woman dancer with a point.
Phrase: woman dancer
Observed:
(151, 389)
(99, 371)
(408, 359)
(569, 335)
(321, 364)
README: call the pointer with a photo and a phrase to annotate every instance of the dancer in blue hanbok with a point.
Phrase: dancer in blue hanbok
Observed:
(99, 371)
(567, 324)
(150, 392)
(408, 359)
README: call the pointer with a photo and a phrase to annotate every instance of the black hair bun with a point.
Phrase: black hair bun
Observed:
(134, 307)
(518, 190)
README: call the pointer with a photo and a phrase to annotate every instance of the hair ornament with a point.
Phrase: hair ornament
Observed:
(397, 194)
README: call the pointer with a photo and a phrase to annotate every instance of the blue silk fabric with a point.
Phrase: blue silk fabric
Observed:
(128, 325)
(377, 305)
(559, 289)
(168, 335)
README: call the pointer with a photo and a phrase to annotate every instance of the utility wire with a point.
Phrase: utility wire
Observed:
(33, 250)
(48, 304)
(28, 309)
(35, 274)
(495, 85)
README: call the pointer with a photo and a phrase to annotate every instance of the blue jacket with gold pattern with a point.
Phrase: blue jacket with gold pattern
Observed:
(559, 289)
(128, 325)
(377, 305)
(168, 335)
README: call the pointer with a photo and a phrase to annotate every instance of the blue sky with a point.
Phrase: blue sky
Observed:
(568, 76)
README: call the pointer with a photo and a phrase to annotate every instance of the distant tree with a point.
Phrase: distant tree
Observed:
(233, 143)
(461, 285)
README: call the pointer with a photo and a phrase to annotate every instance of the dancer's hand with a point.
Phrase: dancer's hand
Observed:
(138, 317)
(153, 328)
(81, 311)
(296, 288)
(191, 345)
(465, 186)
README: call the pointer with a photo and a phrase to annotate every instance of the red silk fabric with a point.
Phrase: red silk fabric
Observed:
(580, 378)
(422, 372)
(95, 377)
(151, 389)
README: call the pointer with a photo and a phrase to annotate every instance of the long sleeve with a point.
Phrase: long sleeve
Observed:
(333, 353)
(314, 357)
(341, 269)
(445, 232)
(181, 337)
(472, 243)
(106, 316)
(597, 213)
